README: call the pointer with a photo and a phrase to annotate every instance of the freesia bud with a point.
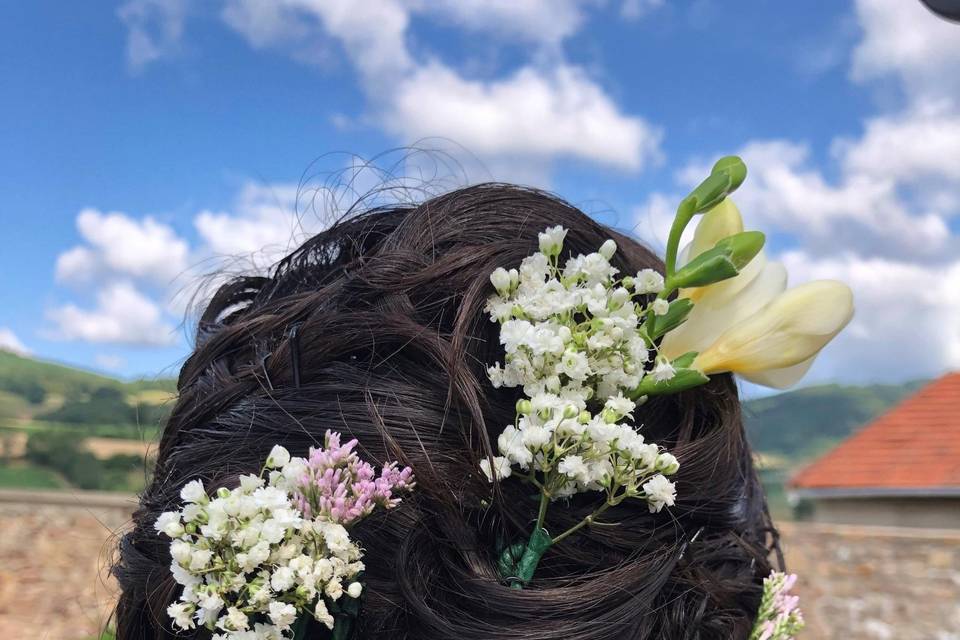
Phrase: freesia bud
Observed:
(608, 248)
(734, 167)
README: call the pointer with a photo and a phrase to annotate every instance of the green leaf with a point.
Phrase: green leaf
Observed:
(675, 316)
(684, 361)
(682, 380)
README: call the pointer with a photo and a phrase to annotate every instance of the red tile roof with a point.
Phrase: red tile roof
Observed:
(914, 445)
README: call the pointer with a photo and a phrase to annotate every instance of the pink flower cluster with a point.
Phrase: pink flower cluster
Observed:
(340, 487)
(784, 615)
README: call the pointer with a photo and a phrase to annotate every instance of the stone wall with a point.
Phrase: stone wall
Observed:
(855, 582)
(878, 583)
(55, 552)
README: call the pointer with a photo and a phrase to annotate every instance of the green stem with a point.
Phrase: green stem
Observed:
(580, 525)
(544, 503)
(685, 213)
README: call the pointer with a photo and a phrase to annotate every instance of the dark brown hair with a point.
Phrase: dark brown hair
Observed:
(375, 328)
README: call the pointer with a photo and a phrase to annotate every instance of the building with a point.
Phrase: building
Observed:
(903, 469)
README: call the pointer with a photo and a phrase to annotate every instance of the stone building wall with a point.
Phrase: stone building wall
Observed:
(880, 583)
(856, 583)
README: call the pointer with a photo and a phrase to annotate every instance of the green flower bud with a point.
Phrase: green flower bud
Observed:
(570, 412)
(743, 247)
(524, 407)
(610, 416)
(190, 528)
(223, 492)
(584, 417)
(627, 282)
(734, 167)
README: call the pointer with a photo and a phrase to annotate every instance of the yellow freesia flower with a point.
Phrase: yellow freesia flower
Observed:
(749, 324)
(788, 332)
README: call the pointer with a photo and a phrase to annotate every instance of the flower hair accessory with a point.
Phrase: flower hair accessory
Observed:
(258, 561)
(587, 345)
(779, 617)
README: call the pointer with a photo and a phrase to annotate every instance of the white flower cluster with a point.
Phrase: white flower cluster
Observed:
(575, 340)
(249, 563)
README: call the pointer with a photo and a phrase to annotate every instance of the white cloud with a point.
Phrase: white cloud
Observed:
(262, 227)
(557, 113)
(373, 32)
(917, 144)
(538, 21)
(10, 342)
(635, 9)
(119, 245)
(123, 315)
(154, 29)
(536, 114)
(906, 321)
(904, 38)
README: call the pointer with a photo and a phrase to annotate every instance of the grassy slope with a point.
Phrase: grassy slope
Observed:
(66, 380)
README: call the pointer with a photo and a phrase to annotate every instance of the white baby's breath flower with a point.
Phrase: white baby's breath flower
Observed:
(500, 469)
(621, 405)
(663, 370)
(250, 482)
(500, 278)
(278, 457)
(200, 558)
(660, 307)
(648, 281)
(194, 492)
(180, 550)
(282, 579)
(182, 614)
(235, 620)
(551, 240)
(660, 492)
(169, 523)
(573, 467)
(283, 615)
(322, 614)
(667, 464)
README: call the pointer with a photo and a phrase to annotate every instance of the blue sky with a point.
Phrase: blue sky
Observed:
(147, 142)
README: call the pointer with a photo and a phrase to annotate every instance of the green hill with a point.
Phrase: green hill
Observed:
(34, 391)
(798, 425)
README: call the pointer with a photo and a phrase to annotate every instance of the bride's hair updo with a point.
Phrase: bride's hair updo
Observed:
(376, 328)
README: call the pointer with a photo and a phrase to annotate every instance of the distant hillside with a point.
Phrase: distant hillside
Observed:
(804, 423)
(35, 390)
